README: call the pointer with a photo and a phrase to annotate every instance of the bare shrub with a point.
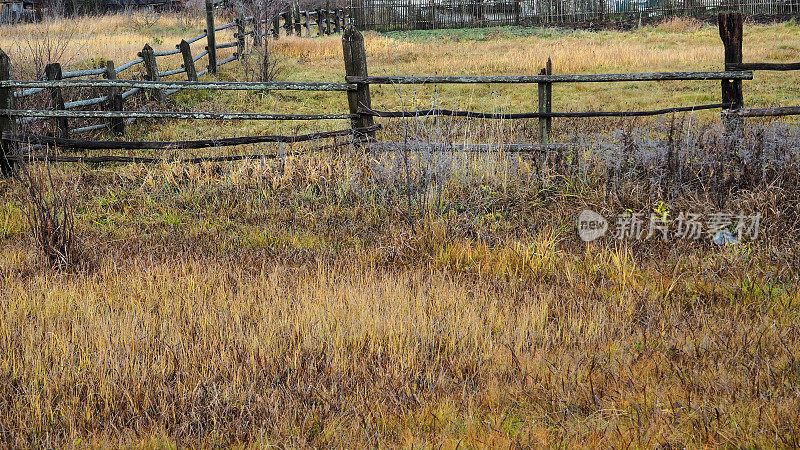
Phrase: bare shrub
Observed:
(44, 44)
(50, 212)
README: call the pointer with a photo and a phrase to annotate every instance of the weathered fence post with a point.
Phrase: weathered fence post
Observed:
(276, 26)
(298, 29)
(188, 60)
(8, 124)
(320, 25)
(151, 66)
(730, 30)
(328, 17)
(308, 23)
(240, 35)
(257, 33)
(115, 101)
(355, 65)
(337, 22)
(53, 72)
(211, 38)
(545, 103)
(288, 24)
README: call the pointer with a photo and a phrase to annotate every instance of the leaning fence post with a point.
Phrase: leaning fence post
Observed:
(115, 101)
(8, 124)
(355, 65)
(730, 30)
(151, 66)
(211, 38)
(188, 60)
(53, 73)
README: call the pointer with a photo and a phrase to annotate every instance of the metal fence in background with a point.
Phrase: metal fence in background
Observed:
(389, 15)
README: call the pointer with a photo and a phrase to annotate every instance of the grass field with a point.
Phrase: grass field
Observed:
(348, 299)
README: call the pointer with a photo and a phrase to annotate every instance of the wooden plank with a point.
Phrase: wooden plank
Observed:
(581, 78)
(53, 73)
(186, 85)
(355, 65)
(168, 145)
(188, 61)
(196, 115)
(7, 123)
(536, 115)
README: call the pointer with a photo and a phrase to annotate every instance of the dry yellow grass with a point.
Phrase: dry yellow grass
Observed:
(329, 301)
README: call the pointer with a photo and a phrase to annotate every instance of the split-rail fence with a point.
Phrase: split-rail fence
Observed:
(361, 115)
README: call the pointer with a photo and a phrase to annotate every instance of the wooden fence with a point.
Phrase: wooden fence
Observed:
(387, 15)
(360, 111)
(249, 33)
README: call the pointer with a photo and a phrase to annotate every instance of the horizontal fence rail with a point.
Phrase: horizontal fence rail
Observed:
(538, 115)
(187, 85)
(777, 111)
(582, 78)
(169, 115)
(167, 145)
(762, 66)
